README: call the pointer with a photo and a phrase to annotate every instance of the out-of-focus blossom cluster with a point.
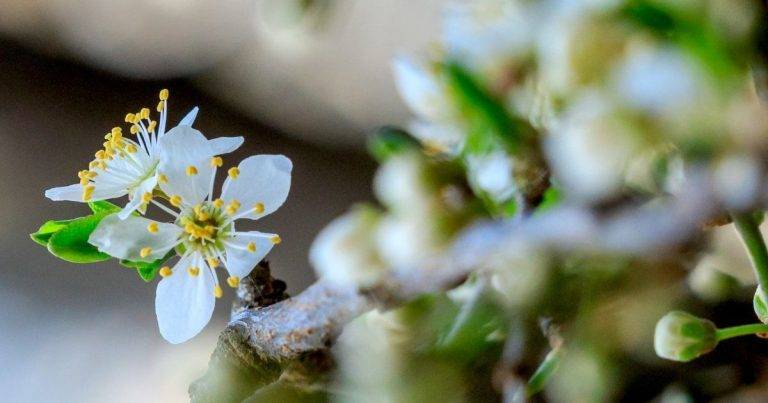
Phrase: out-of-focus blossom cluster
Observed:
(598, 105)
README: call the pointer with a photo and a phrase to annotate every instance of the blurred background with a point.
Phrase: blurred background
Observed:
(307, 79)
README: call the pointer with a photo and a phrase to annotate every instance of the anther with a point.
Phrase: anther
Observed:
(251, 247)
(217, 291)
(165, 271)
(233, 206)
(144, 252)
(275, 239)
(233, 172)
(175, 201)
(233, 281)
(218, 203)
(144, 113)
(161, 178)
(88, 192)
(164, 94)
(258, 208)
(191, 170)
(146, 197)
(212, 262)
(129, 118)
(153, 228)
(217, 162)
(193, 271)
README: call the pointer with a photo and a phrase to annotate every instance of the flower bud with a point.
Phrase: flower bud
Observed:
(760, 304)
(344, 252)
(681, 336)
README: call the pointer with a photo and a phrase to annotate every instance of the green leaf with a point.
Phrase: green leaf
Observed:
(488, 119)
(544, 372)
(389, 141)
(71, 242)
(103, 206)
(148, 271)
(47, 230)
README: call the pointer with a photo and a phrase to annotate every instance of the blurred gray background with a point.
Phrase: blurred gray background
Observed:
(308, 79)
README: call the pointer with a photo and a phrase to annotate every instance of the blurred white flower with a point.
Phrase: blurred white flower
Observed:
(520, 274)
(127, 167)
(203, 231)
(487, 35)
(737, 180)
(345, 252)
(492, 173)
(590, 149)
(402, 185)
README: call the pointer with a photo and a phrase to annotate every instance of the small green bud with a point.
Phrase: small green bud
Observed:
(760, 303)
(681, 336)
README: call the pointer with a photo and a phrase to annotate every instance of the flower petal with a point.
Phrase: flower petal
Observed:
(182, 148)
(264, 179)
(146, 186)
(125, 239)
(75, 193)
(240, 261)
(225, 145)
(184, 303)
(420, 89)
(189, 119)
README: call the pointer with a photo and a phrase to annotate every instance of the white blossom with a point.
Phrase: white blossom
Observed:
(129, 167)
(203, 230)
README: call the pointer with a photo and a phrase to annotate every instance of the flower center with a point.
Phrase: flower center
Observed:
(203, 227)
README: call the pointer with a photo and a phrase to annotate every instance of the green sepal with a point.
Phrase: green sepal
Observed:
(70, 243)
(148, 271)
(47, 230)
(388, 141)
(101, 206)
(544, 372)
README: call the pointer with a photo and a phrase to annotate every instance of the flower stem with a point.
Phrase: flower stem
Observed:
(749, 230)
(742, 330)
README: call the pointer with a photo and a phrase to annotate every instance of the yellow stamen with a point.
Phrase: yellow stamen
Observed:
(191, 170)
(153, 228)
(175, 201)
(129, 118)
(233, 281)
(152, 125)
(162, 179)
(165, 271)
(217, 291)
(212, 262)
(146, 197)
(164, 94)
(144, 252)
(217, 162)
(144, 113)
(232, 207)
(275, 239)
(218, 203)
(258, 208)
(251, 247)
(193, 271)
(134, 129)
(160, 106)
(88, 192)
(233, 172)
(131, 148)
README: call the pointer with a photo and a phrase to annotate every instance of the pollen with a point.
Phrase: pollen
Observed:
(146, 197)
(153, 228)
(175, 201)
(193, 271)
(161, 178)
(275, 239)
(160, 106)
(88, 192)
(164, 94)
(217, 291)
(134, 129)
(258, 208)
(233, 172)
(165, 271)
(217, 162)
(213, 262)
(233, 281)
(129, 118)
(144, 252)
(191, 170)
(152, 125)
(232, 207)
(251, 247)
(130, 148)
(218, 203)
(144, 113)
